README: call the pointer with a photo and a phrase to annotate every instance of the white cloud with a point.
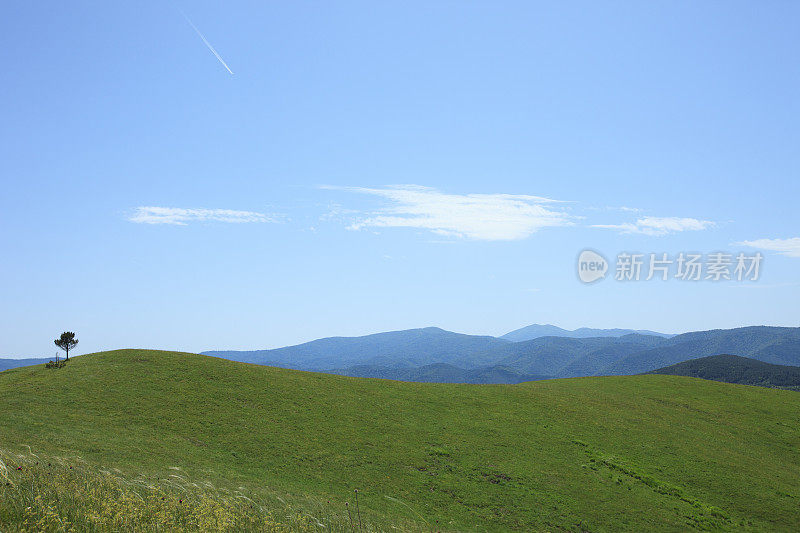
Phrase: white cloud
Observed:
(181, 216)
(659, 225)
(789, 247)
(486, 217)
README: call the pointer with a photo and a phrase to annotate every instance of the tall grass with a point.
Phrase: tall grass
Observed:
(51, 494)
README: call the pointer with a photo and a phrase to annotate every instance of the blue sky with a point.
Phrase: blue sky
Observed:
(370, 167)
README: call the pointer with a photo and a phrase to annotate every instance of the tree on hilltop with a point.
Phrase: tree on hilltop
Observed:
(66, 342)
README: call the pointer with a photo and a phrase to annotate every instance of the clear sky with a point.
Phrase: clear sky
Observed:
(292, 170)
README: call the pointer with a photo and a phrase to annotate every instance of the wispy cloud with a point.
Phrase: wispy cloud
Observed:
(659, 225)
(485, 217)
(622, 208)
(181, 217)
(788, 247)
(208, 44)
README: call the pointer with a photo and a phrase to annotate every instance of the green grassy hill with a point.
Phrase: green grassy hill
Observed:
(639, 453)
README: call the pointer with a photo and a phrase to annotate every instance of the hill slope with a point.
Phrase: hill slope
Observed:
(621, 453)
(735, 369)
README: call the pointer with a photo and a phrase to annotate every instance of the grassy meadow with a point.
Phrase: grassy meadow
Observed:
(40, 493)
(242, 447)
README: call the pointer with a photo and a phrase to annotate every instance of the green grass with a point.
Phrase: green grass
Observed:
(633, 453)
(40, 493)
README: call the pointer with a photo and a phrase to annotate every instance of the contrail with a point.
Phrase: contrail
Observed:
(208, 44)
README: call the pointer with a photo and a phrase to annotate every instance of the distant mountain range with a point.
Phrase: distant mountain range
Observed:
(735, 369)
(436, 355)
(534, 331)
(442, 373)
(5, 364)
(780, 346)
(395, 349)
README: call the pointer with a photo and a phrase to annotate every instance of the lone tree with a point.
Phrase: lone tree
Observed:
(66, 342)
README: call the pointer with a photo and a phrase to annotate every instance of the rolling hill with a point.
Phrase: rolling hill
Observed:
(735, 369)
(634, 453)
(534, 331)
